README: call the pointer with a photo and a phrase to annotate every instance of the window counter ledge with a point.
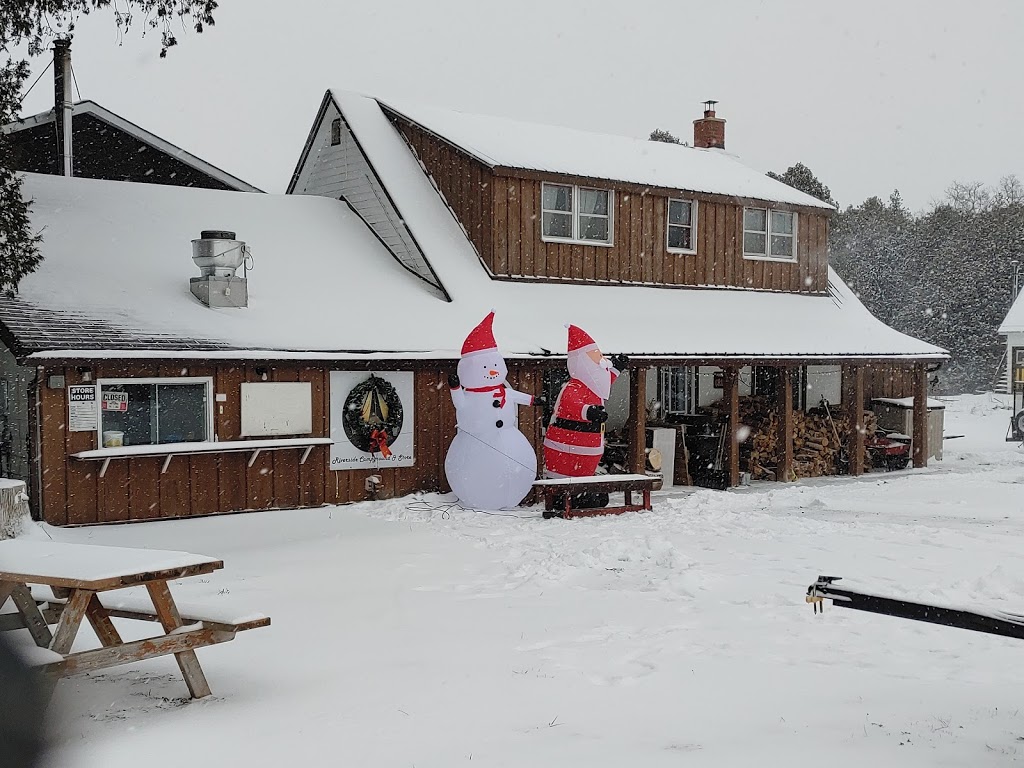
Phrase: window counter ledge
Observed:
(170, 450)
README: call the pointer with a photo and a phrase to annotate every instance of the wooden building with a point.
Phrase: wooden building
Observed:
(107, 146)
(404, 226)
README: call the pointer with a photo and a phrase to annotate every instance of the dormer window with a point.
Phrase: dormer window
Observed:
(769, 234)
(682, 226)
(576, 214)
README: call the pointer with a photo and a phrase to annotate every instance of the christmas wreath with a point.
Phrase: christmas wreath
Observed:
(373, 415)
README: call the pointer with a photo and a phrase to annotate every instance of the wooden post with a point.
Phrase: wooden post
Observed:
(786, 424)
(920, 415)
(855, 408)
(636, 426)
(731, 380)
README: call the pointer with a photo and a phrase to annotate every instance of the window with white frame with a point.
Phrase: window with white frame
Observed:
(580, 214)
(769, 234)
(155, 411)
(678, 390)
(682, 226)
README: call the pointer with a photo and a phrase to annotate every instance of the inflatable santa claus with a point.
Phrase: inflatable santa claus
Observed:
(490, 463)
(574, 441)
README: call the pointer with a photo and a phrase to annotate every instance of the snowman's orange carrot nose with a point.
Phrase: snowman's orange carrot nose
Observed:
(492, 373)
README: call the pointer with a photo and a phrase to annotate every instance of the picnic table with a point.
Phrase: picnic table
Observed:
(566, 487)
(84, 580)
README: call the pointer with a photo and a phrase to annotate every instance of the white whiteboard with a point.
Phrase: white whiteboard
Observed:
(277, 408)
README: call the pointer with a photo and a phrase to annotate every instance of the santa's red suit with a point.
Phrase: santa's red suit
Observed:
(573, 443)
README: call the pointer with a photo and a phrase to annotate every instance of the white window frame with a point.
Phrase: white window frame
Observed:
(575, 239)
(207, 380)
(693, 382)
(693, 225)
(767, 232)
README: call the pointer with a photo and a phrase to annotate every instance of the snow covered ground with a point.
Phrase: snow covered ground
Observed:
(407, 636)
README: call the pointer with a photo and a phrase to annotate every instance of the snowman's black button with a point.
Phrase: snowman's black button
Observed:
(496, 403)
(499, 423)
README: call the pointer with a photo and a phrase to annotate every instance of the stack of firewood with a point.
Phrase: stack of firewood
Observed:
(870, 424)
(816, 443)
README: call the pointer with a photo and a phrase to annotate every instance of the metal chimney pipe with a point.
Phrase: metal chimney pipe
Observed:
(63, 106)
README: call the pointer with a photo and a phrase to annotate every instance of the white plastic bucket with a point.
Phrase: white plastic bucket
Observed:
(113, 439)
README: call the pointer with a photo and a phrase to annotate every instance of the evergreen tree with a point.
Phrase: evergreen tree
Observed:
(659, 135)
(944, 276)
(801, 177)
(35, 23)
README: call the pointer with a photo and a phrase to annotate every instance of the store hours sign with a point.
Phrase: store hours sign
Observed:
(82, 413)
(372, 419)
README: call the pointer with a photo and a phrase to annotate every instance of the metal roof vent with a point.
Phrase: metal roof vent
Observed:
(219, 255)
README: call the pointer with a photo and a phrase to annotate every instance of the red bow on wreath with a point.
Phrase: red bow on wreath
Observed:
(379, 442)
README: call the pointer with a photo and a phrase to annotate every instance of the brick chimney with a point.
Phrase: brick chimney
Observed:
(709, 131)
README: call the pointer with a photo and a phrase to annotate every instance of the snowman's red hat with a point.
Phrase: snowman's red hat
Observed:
(580, 340)
(481, 338)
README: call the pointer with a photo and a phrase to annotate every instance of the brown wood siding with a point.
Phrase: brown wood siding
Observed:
(887, 379)
(639, 250)
(466, 185)
(135, 489)
(501, 215)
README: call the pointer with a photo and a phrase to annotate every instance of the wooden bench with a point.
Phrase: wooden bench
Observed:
(86, 582)
(567, 487)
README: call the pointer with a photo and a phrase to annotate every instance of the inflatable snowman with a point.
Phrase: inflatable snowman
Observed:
(490, 463)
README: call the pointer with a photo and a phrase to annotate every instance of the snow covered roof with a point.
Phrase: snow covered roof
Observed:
(104, 114)
(1014, 320)
(513, 144)
(115, 283)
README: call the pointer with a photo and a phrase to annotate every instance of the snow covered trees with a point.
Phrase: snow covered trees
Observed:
(944, 275)
(35, 23)
(659, 134)
(801, 177)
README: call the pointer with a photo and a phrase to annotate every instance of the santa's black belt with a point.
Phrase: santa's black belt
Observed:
(577, 426)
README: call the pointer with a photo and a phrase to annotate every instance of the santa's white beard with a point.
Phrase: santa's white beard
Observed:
(596, 376)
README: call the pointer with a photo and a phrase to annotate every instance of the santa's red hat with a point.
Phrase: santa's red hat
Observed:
(481, 338)
(580, 340)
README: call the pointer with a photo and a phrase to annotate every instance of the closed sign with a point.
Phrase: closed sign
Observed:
(115, 401)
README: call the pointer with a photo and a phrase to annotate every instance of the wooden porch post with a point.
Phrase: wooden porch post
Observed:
(786, 424)
(855, 409)
(636, 426)
(731, 380)
(920, 415)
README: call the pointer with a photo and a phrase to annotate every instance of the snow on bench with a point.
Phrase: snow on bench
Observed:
(134, 603)
(617, 479)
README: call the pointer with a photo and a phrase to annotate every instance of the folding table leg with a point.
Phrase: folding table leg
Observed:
(34, 621)
(101, 623)
(170, 619)
(70, 620)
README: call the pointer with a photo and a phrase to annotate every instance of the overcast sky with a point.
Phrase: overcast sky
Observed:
(873, 95)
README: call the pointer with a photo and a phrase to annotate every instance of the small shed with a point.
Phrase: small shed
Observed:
(896, 414)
